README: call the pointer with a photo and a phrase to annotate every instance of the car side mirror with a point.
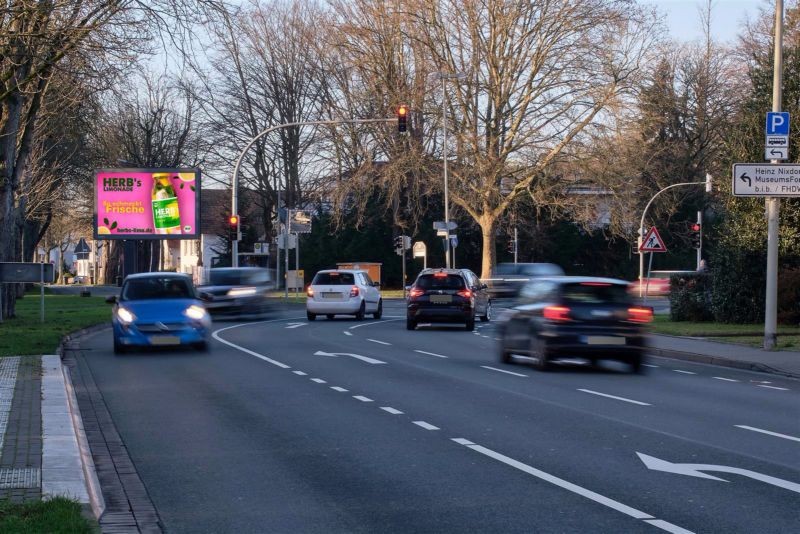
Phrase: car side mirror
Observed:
(111, 299)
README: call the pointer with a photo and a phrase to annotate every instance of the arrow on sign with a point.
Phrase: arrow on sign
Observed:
(747, 179)
(774, 152)
(356, 356)
(695, 470)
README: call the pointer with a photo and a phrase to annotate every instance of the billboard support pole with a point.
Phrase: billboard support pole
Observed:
(41, 291)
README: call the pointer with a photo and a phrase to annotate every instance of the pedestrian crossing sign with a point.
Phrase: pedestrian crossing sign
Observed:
(652, 242)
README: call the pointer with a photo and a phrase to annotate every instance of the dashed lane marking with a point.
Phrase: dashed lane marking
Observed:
(391, 410)
(623, 399)
(773, 387)
(768, 432)
(426, 426)
(300, 373)
(430, 353)
(378, 341)
(372, 323)
(340, 390)
(723, 378)
(650, 365)
(684, 372)
(318, 381)
(348, 333)
(503, 371)
(362, 398)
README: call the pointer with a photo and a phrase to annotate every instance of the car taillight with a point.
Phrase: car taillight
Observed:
(416, 292)
(466, 293)
(640, 315)
(310, 292)
(354, 291)
(556, 313)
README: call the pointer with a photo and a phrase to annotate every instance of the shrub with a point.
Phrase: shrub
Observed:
(738, 285)
(789, 296)
(690, 297)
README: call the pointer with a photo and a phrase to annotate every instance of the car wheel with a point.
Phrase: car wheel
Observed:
(330, 316)
(487, 316)
(362, 312)
(470, 326)
(505, 355)
(636, 364)
(119, 348)
(379, 312)
(311, 316)
(411, 324)
(538, 350)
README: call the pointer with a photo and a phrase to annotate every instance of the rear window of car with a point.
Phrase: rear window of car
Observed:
(595, 293)
(235, 277)
(333, 279)
(157, 288)
(431, 281)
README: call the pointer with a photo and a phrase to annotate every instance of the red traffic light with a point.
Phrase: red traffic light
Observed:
(233, 220)
(695, 227)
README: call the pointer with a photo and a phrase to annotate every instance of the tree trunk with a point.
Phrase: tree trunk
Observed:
(488, 225)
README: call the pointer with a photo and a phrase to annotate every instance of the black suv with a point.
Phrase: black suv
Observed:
(447, 296)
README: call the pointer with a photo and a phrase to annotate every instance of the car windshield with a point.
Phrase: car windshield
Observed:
(236, 277)
(432, 281)
(157, 288)
(595, 293)
(542, 269)
(334, 279)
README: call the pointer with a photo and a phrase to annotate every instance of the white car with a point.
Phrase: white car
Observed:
(343, 292)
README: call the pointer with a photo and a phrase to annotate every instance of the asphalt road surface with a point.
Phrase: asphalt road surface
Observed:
(347, 426)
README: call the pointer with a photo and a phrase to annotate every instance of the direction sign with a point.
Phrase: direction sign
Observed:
(766, 180)
(781, 152)
(26, 272)
(441, 225)
(652, 242)
(777, 123)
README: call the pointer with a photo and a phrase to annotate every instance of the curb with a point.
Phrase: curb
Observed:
(722, 362)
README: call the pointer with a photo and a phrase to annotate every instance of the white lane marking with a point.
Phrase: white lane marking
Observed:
(684, 372)
(615, 397)
(348, 333)
(356, 356)
(340, 390)
(318, 381)
(216, 336)
(560, 482)
(300, 373)
(649, 365)
(362, 398)
(296, 325)
(372, 323)
(768, 432)
(430, 353)
(503, 371)
(669, 527)
(462, 441)
(378, 341)
(391, 410)
(725, 379)
(773, 387)
(426, 426)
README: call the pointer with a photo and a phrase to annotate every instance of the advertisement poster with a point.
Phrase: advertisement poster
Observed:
(147, 203)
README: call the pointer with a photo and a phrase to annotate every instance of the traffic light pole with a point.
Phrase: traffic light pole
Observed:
(237, 166)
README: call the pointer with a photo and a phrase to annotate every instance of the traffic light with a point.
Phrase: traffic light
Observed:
(697, 235)
(398, 245)
(233, 228)
(402, 118)
(512, 246)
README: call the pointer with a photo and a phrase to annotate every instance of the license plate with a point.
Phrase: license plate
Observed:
(331, 295)
(441, 299)
(605, 340)
(165, 340)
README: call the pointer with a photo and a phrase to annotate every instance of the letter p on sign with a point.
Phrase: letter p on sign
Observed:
(778, 123)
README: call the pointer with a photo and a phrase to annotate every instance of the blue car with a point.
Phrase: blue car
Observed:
(158, 309)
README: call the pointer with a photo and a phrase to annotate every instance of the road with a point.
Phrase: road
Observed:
(346, 426)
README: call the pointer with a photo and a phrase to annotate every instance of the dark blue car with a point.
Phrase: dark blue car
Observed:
(159, 309)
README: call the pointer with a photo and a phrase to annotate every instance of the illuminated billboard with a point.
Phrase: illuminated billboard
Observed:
(147, 204)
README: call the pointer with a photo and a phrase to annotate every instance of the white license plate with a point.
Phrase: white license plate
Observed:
(331, 295)
(165, 340)
(441, 299)
(605, 340)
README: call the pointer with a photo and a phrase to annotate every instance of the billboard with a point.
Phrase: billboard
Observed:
(147, 204)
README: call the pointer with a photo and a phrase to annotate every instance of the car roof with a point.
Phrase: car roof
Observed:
(442, 270)
(341, 271)
(581, 279)
(158, 274)
(237, 269)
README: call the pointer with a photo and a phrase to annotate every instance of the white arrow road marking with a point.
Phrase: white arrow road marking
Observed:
(296, 325)
(574, 488)
(356, 356)
(696, 470)
(776, 434)
(615, 397)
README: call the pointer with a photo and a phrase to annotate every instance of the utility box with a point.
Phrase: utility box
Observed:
(372, 268)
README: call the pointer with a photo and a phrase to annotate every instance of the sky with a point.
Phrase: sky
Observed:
(683, 17)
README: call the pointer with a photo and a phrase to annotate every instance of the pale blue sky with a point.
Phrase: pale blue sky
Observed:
(683, 17)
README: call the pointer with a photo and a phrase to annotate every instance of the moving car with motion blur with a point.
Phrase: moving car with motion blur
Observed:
(237, 292)
(575, 317)
(509, 278)
(158, 309)
(343, 292)
(447, 296)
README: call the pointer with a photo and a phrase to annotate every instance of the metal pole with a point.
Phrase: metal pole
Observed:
(404, 270)
(278, 234)
(700, 248)
(444, 164)
(297, 265)
(773, 204)
(649, 268)
(286, 229)
(516, 245)
(41, 291)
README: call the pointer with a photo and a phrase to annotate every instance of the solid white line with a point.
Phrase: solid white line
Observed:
(723, 378)
(348, 333)
(296, 325)
(669, 527)
(426, 426)
(391, 410)
(340, 390)
(569, 486)
(649, 365)
(372, 323)
(215, 335)
(615, 397)
(430, 353)
(378, 341)
(362, 398)
(300, 373)
(318, 381)
(772, 387)
(776, 434)
(684, 372)
(503, 371)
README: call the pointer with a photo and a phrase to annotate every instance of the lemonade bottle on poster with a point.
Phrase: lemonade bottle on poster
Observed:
(166, 214)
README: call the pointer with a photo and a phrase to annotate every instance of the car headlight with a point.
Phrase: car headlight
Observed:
(125, 316)
(195, 312)
(242, 292)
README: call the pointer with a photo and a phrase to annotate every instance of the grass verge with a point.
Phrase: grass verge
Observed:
(743, 334)
(53, 516)
(26, 334)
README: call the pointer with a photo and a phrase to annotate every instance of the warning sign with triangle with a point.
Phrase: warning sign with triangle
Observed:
(652, 242)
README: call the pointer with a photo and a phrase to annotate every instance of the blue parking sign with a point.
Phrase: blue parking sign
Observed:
(778, 123)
